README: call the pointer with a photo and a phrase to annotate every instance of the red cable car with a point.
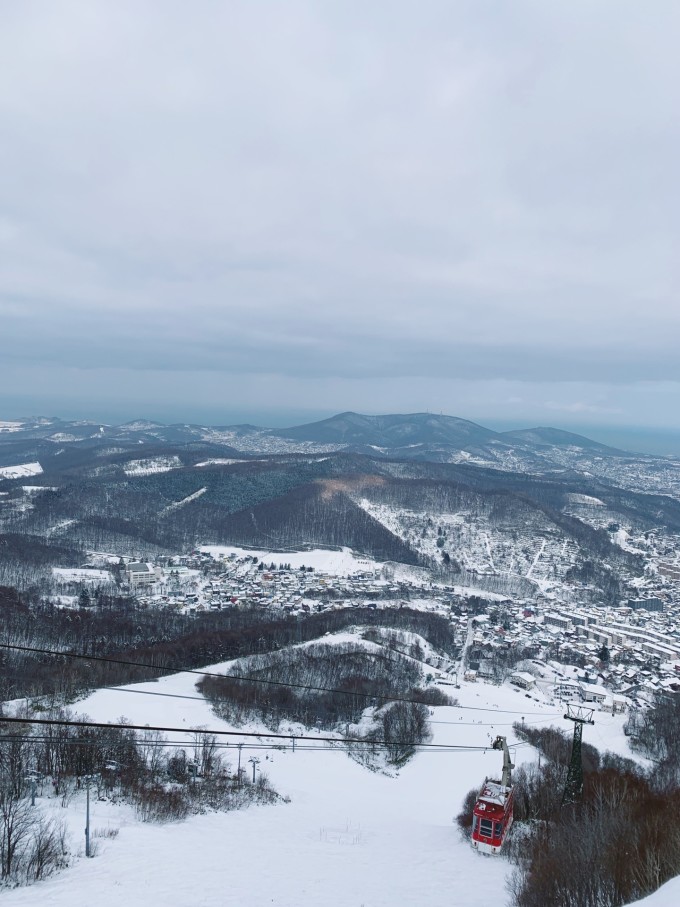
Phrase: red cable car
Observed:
(492, 814)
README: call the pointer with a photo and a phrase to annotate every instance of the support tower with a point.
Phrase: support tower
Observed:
(574, 784)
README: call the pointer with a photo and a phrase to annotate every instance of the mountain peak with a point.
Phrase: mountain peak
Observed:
(391, 431)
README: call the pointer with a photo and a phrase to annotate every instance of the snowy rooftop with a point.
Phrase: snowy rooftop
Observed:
(494, 792)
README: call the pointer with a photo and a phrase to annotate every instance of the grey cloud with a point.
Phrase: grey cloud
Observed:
(338, 191)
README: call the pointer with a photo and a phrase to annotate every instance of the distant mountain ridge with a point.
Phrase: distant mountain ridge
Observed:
(390, 431)
(422, 489)
(412, 436)
(557, 437)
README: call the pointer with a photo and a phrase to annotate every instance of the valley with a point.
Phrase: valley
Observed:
(405, 600)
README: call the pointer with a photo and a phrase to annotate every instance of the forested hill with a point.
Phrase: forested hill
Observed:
(459, 519)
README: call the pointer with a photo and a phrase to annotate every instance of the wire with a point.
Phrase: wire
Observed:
(184, 744)
(63, 722)
(483, 723)
(277, 683)
(206, 699)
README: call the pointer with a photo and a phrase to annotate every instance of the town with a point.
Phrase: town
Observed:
(616, 658)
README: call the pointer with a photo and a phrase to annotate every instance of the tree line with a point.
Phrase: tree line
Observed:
(160, 783)
(162, 639)
(330, 686)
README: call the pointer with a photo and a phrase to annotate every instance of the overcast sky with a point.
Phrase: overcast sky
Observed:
(273, 210)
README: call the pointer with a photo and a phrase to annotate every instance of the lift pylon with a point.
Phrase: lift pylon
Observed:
(573, 787)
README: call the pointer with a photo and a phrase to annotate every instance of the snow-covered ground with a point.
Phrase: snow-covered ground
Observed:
(342, 562)
(585, 499)
(482, 543)
(348, 836)
(187, 500)
(667, 896)
(151, 465)
(81, 575)
(20, 471)
(223, 461)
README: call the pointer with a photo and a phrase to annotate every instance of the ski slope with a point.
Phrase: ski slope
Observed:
(348, 836)
(667, 896)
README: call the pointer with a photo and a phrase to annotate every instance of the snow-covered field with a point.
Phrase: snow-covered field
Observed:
(343, 562)
(479, 542)
(20, 471)
(151, 465)
(348, 836)
(81, 575)
(585, 499)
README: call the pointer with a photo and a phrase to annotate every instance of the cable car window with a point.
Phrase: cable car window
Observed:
(498, 828)
(475, 822)
(486, 826)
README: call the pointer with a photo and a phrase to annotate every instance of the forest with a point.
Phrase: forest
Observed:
(330, 687)
(94, 501)
(161, 641)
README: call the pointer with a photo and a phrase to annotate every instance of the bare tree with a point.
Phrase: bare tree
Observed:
(16, 825)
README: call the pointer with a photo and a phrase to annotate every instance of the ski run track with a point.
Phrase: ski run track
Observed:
(349, 837)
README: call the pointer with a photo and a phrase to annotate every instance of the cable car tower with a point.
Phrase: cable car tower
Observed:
(573, 787)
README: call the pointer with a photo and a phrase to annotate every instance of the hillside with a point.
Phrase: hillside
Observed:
(554, 437)
(348, 836)
(516, 513)
(511, 532)
(391, 432)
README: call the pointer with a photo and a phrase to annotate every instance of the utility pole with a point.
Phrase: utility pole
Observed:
(240, 747)
(32, 778)
(87, 817)
(255, 762)
(573, 787)
(88, 779)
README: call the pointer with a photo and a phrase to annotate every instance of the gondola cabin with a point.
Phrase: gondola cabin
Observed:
(491, 817)
(492, 813)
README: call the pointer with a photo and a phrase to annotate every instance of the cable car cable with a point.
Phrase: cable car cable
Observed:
(62, 722)
(245, 679)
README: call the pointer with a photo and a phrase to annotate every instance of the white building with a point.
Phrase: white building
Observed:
(523, 679)
(139, 574)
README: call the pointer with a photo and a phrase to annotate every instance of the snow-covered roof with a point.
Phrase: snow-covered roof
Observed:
(523, 676)
(138, 568)
(594, 689)
(494, 792)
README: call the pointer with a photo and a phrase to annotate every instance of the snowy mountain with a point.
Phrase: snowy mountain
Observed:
(508, 510)
(391, 432)
(348, 836)
(423, 437)
(555, 437)
(415, 435)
